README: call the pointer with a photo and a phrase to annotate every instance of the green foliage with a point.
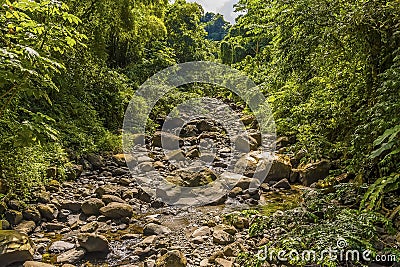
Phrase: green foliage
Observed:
(33, 35)
(318, 225)
(215, 25)
(186, 35)
(330, 71)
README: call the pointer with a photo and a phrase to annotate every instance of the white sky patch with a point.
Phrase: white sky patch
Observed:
(224, 7)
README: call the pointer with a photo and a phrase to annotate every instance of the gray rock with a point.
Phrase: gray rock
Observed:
(117, 210)
(173, 258)
(170, 140)
(221, 237)
(202, 231)
(107, 199)
(95, 160)
(93, 242)
(92, 206)
(70, 205)
(71, 256)
(155, 229)
(108, 190)
(60, 246)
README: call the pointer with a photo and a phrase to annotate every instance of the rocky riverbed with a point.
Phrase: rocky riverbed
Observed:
(100, 216)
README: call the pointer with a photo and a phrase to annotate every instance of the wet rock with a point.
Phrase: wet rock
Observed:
(119, 172)
(71, 256)
(92, 206)
(177, 155)
(235, 192)
(32, 214)
(117, 210)
(93, 242)
(37, 264)
(14, 247)
(47, 211)
(60, 246)
(26, 227)
(221, 237)
(155, 229)
(13, 217)
(313, 172)
(282, 184)
(173, 258)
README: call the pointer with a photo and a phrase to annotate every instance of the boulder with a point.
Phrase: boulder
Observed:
(37, 264)
(108, 190)
(202, 231)
(93, 243)
(155, 229)
(95, 160)
(71, 256)
(107, 199)
(245, 143)
(313, 172)
(13, 216)
(60, 246)
(280, 169)
(92, 206)
(171, 141)
(14, 247)
(117, 210)
(47, 211)
(173, 258)
(282, 184)
(74, 172)
(26, 227)
(221, 237)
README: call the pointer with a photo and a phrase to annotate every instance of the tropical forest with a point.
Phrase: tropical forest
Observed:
(165, 133)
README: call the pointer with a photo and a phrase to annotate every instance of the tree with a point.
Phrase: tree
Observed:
(185, 32)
